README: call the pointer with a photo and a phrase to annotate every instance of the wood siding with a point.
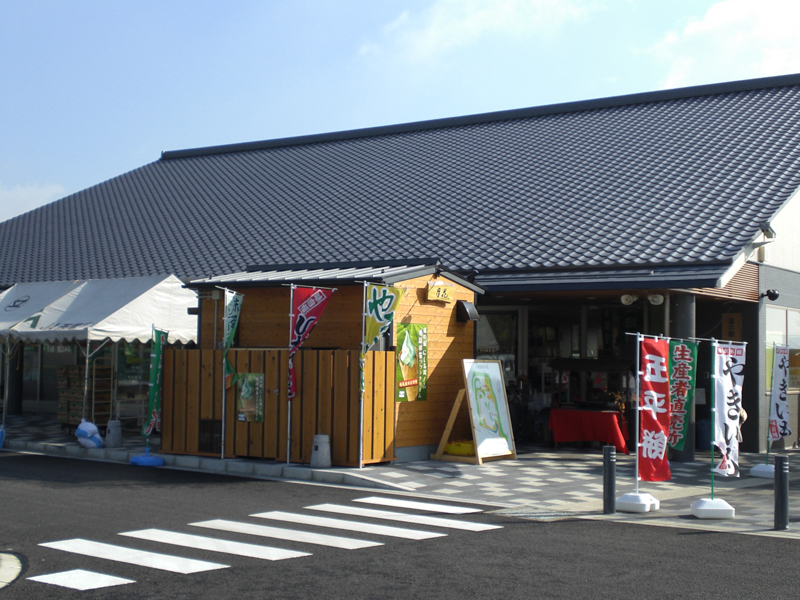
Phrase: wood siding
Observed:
(449, 342)
(327, 402)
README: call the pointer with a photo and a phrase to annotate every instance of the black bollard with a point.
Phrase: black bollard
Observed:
(781, 492)
(609, 480)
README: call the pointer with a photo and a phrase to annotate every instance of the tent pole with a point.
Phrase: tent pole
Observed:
(8, 375)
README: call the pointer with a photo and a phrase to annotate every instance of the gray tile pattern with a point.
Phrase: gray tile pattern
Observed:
(584, 180)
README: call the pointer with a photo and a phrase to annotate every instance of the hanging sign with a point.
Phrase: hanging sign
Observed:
(654, 413)
(729, 361)
(779, 409)
(441, 292)
(682, 378)
(488, 408)
(307, 307)
(412, 362)
(233, 308)
(153, 422)
(250, 397)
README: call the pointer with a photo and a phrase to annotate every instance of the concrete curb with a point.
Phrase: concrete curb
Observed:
(237, 467)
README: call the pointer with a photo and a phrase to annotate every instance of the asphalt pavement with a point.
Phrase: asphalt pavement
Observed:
(126, 532)
(541, 484)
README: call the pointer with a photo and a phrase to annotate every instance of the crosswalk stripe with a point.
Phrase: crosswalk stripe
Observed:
(410, 534)
(371, 513)
(79, 579)
(293, 535)
(214, 545)
(429, 506)
(165, 562)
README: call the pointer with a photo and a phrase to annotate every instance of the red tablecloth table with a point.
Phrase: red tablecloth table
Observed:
(588, 426)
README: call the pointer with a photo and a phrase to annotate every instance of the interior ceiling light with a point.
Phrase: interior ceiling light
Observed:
(656, 299)
(628, 299)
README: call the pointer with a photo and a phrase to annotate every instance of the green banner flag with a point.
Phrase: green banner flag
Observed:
(682, 378)
(379, 312)
(380, 304)
(233, 308)
(153, 421)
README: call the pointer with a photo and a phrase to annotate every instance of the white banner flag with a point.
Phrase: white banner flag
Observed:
(779, 410)
(729, 361)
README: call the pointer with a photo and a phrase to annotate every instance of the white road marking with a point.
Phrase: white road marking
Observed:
(78, 579)
(154, 560)
(371, 513)
(429, 506)
(214, 545)
(292, 535)
(410, 534)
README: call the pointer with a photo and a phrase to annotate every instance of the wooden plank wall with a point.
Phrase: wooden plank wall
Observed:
(327, 402)
(264, 321)
(449, 342)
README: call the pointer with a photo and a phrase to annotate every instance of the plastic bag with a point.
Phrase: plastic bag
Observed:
(88, 435)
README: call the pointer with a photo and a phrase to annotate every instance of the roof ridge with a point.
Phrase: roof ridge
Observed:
(503, 115)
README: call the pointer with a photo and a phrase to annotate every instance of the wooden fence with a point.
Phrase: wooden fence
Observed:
(327, 402)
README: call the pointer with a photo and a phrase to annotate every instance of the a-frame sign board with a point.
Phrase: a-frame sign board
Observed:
(488, 414)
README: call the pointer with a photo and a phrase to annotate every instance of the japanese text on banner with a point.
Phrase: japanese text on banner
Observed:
(654, 411)
(729, 361)
(779, 409)
(683, 375)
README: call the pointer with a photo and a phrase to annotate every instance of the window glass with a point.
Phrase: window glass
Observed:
(498, 339)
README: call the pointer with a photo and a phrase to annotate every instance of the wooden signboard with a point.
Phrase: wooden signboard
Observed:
(489, 417)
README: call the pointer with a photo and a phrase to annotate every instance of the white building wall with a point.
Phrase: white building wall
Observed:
(784, 252)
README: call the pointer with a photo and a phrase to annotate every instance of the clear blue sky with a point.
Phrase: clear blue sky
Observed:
(92, 89)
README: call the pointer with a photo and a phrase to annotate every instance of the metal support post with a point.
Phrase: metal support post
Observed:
(781, 492)
(609, 480)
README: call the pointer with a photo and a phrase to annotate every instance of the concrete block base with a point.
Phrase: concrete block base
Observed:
(706, 508)
(765, 471)
(637, 503)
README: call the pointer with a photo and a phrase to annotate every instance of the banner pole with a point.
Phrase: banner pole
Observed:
(713, 406)
(636, 403)
(289, 404)
(361, 362)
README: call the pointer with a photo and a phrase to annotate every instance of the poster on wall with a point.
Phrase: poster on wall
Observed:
(412, 362)
(488, 408)
(250, 397)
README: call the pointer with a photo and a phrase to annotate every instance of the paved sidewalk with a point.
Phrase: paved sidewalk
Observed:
(542, 484)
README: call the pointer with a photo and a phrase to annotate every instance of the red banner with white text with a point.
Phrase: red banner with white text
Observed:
(307, 307)
(654, 410)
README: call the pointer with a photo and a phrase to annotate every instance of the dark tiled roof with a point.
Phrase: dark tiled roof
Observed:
(682, 177)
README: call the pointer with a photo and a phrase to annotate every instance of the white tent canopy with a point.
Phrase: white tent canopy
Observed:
(22, 300)
(113, 309)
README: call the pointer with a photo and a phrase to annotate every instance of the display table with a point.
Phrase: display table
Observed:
(588, 426)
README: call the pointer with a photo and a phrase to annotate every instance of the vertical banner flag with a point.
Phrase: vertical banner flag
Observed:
(250, 397)
(412, 362)
(682, 378)
(654, 410)
(307, 307)
(729, 361)
(381, 302)
(233, 308)
(153, 422)
(779, 410)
